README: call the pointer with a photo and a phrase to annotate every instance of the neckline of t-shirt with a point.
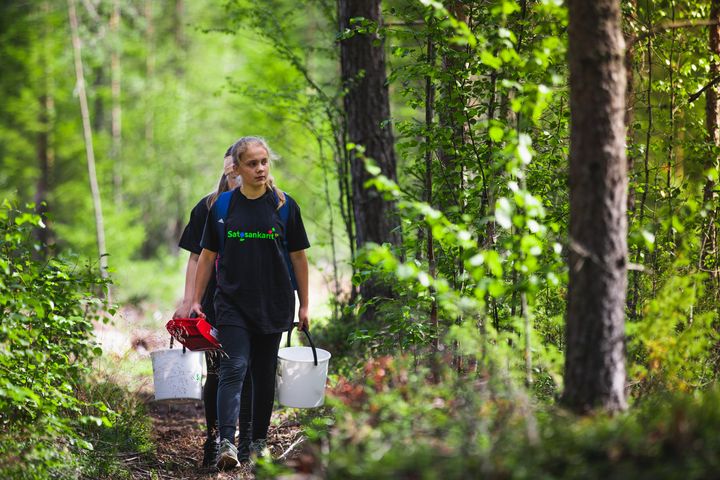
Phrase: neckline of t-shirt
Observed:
(243, 197)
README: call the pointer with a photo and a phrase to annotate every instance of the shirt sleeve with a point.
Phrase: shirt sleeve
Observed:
(210, 240)
(191, 236)
(296, 236)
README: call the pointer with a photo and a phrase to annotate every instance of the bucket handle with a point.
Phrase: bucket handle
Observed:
(307, 334)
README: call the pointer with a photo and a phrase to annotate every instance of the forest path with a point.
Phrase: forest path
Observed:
(179, 431)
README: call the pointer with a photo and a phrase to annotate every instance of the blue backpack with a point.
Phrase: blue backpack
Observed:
(222, 205)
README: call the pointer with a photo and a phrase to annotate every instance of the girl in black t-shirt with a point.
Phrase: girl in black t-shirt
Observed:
(255, 300)
(190, 241)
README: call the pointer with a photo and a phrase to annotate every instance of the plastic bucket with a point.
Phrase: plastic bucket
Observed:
(177, 374)
(301, 375)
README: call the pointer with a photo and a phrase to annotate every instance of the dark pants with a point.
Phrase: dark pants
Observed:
(210, 390)
(258, 353)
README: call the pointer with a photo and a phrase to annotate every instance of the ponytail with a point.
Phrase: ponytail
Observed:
(223, 184)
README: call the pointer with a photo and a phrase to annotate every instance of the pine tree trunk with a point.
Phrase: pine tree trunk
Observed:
(595, 356)
(87, 131)
(367, 108)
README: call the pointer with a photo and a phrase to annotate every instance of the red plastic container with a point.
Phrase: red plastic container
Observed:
(194, 333)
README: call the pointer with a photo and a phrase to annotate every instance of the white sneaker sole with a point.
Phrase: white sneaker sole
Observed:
(227, 462)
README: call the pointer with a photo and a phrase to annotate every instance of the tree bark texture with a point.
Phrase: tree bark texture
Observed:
(595, 355)
(367, 107)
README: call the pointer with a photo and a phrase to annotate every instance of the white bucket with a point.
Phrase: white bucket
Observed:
(300, 383)
(177, 375)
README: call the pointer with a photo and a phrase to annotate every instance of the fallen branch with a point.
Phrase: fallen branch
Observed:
(292, 446)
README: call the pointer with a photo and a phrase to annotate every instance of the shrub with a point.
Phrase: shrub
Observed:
(46, 347)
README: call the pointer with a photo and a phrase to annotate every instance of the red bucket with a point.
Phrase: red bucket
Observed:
(194, 333)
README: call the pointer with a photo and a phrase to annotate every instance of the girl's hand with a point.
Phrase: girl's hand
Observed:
(303, 320)
(183, 311)
(197, 310)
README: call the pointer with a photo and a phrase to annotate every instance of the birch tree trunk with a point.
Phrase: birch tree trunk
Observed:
(595, 355)
(87, 132)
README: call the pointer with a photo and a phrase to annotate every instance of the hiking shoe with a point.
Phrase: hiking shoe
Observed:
(259, 448)
(243, 449)
(210, 451)
(259, 454)
(227, 457)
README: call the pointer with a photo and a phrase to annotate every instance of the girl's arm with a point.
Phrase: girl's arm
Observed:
(184, 309)
(300, 265)
(205, 267)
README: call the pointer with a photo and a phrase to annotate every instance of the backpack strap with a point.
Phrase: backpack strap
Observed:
(221, 207)
(284, 213)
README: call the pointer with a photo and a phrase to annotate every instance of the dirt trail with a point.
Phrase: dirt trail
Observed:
(178, 433)
(178, 429)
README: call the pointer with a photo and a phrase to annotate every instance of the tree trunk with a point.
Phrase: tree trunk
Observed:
(595, 356)
(712, 123)
(429, 120)
(629, 106)
(87, 131)
(44, 150)
(367, 108)
(116, 118)
(452, 108)
(150, 78)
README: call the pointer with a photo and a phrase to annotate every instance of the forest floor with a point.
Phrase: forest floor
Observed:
(178, 428)
(178, 433)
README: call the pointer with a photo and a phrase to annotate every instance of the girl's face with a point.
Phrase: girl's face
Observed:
(254, 166)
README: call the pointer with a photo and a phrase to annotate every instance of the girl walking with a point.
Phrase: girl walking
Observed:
(255, 300)
(190, 241)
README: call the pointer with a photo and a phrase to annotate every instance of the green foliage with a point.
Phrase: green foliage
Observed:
(127, 433)
(672, 348)
(47, 309)
(50, 415)
(397, 419)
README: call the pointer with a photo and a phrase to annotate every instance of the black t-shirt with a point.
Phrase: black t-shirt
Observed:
(190, 241)
(254, 289)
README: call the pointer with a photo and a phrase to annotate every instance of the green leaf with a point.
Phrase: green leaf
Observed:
(503, 212)
(490, 60)
(496, 133)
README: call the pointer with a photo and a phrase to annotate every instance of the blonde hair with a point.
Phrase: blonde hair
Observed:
(223, 186)
(241, 146)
